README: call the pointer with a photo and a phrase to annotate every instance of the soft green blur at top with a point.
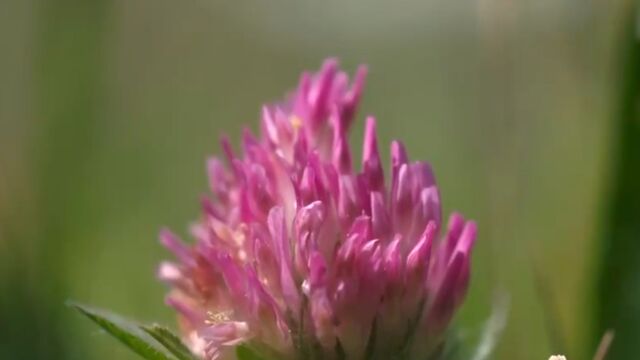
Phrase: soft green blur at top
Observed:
(108, 110)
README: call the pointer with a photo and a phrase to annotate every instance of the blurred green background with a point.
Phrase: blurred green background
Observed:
(108, 110)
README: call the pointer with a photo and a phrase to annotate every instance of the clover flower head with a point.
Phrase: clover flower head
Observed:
(301, 255)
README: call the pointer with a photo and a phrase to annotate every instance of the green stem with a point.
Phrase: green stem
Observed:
(618, 291)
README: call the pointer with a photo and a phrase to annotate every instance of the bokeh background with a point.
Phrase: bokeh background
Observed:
(526, 110)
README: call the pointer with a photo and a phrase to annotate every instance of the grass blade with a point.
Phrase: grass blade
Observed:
(618, 290)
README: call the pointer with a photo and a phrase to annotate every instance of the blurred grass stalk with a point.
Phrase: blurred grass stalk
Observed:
(68, 89)
(618, 289)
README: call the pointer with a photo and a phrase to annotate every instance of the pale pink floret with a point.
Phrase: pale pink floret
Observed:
(298, 253)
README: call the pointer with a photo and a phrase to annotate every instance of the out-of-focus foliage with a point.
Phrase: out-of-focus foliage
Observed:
(108, 109)
(618, 296)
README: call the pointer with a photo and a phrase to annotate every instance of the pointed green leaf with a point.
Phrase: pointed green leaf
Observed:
(170, 341)
(126, 332)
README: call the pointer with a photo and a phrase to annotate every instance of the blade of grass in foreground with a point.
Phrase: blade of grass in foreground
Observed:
(618, 290)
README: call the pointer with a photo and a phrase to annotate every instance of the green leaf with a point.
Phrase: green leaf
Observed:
(128, 333)
(169, 340)
(245, 352)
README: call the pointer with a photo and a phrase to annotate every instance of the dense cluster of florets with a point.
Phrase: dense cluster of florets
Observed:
(301, 255)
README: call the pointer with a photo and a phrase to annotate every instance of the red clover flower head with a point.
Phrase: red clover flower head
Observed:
(300, 255)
